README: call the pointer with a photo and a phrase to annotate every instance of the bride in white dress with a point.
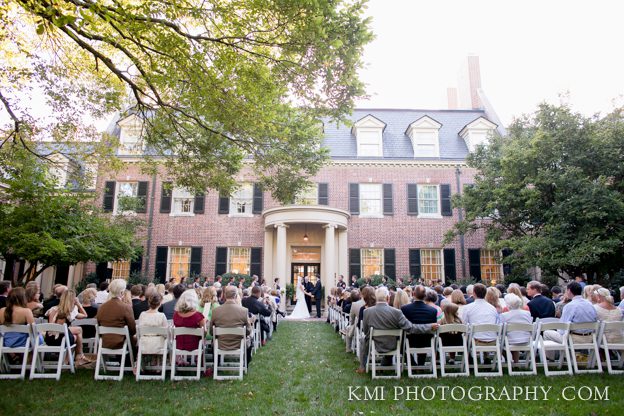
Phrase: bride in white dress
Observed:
(301, 309)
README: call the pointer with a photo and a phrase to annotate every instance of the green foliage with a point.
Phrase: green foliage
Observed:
(552, 191)
(290, 291)
(215, 82)
(376, 280)
(139, 278)
(237, 276)
(48, 225)
(465, 281)
(89, 278)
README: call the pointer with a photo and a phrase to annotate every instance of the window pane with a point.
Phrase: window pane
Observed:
(431, 266)
(241, 201)
(370, 199)
(428, 199)
(127, 189)
(179, 263)
(372, 261)
(308, 196)
(491, 270)
(121, 269)
(239, 260)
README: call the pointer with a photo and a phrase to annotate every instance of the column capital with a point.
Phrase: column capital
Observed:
(280, 225)
(330, 225)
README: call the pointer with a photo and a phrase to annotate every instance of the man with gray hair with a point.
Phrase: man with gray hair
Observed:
(384, 316)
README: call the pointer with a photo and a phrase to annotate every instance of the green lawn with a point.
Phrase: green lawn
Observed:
(303, 370)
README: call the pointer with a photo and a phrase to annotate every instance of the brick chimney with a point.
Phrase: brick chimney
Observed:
(469, 82)
(451, 95)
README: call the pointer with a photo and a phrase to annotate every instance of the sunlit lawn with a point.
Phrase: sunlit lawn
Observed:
(303, 370)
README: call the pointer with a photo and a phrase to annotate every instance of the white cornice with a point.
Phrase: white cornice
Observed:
(400, 163)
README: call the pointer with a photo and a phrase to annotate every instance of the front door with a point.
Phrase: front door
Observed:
(299, 271)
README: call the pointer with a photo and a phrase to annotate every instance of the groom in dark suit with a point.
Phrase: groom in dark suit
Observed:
(308, 287)
(317, 292)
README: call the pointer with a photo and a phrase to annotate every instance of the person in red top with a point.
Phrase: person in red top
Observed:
(186, 315)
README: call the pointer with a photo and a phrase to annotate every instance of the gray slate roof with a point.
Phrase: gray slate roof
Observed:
(396, 144)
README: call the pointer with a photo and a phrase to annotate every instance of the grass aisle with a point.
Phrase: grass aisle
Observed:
(303, 370)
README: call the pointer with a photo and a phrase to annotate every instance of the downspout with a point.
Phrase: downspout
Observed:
(460, 218)
(150, 222)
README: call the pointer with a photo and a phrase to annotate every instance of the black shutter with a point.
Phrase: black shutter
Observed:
(142, 197)
(354, 200)
(224, 205)
(101, 270)
(445, 200)
(474, 262)
(390, 263)
(354, 262)
(412, 199)
(196, 261)
(161, 263)
(109, 196)
(507, 268)
(323, 198)
(257, 206)
(165, 198)
(221, 261)
(255, 266)
(387, 199)
(449, 264)
(136, 266)
(414, 263)
(198, 206)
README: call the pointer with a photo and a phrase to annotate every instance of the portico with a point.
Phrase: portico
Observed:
(284, 242)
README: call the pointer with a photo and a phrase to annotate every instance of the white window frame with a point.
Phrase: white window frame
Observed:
(494, 255)
(130, 136)
(244, 194)
(376, 214)
(362, 262)
(425, 132)
(308, 196)
(169, 260)
(231, 255)
(440, 253)
(424, 214)
(369, 139)
(180, 196)
(118, 187)
(121, 269)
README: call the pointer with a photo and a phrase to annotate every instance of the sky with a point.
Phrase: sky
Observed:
(530, 51)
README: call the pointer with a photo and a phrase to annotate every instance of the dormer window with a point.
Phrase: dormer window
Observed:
(477, 132)
(369, 135)
(424, 134)
(130, 136)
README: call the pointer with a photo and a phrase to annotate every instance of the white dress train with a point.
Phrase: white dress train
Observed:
(301, 308)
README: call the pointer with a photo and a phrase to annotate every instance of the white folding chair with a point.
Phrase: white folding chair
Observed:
(545, 346)
(221, 371)
(88, 344)
(462, 366)
(493, 348)
(430, 358)
(5, 362)
(256, 334)
(529, 330)
(151, 331)
(617, 349)
(395, 353)
(103, 354)
(588, 343)
(65, 349)
(196, 355)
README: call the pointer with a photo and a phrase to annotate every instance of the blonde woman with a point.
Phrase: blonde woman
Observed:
(608, 312)
(67, 310)
(492, 297)
(457, 298)
(400, 299)
(515, 289)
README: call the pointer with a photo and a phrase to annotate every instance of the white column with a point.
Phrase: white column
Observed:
(330, 256)
(343, 255)
(267, 271)
(280, 257)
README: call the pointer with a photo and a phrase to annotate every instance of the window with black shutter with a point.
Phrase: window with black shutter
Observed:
(196, 261)
(414, 263)
(507, 268)
(390, 263)
(354, 200)
(323, 197)
(136, 265)
(161, 263)
(354, 262)
(388, 208)
(224, 204)
(142, 198)
(165, 198)
(221, 261)
(474, 263)
(109, 196)
(445, 200)
(255, 266)
(258, 200)
(449, 264)
(412, 199)
(198, 205)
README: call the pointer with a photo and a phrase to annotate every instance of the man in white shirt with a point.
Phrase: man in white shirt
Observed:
(481, 312)
(102, 294)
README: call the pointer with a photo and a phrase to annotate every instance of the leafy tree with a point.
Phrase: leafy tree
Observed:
(48, 225)
(215, 82)
(552, 191)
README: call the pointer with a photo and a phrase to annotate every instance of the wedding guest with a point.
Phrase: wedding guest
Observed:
(580, 279)
(469, 294)
(152, 344)
(400, 299)
(457, 298)
(32, 297)
(5, 288)
(492, 297)
(539, 306)
(481, 312)
(15, 313)
(186, 315)
(57, 292)
(102, 294)
(114, 313)
(588, 291)
(368, 296)
(168, 296)
(66, 312)
(160, 288)
(257, 307)
(356, 303)
(354, 282)
(88, 304)
(621, 305)
(557, 294)
(232, 315)
(139, 304)
(431, 297)
(516, 315)
(168, 308)
(451, 316)
(515, 289)
(420, 312)
(607, 312)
